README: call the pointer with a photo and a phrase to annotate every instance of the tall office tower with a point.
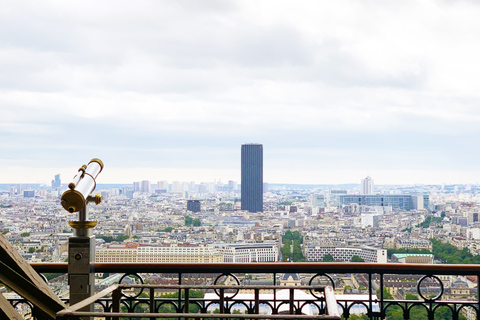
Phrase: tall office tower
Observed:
(176, 186)
(367, 185)
(136, 186)
(252, 177)
(145, 186)
(57, 182)
(162, 185)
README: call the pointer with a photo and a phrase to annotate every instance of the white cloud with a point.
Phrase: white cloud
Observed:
(156, 77)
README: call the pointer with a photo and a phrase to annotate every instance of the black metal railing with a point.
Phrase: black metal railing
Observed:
(378, 291)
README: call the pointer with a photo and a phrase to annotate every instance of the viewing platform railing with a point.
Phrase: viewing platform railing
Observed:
(279, 291)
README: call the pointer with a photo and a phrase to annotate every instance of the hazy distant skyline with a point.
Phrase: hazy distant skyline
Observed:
(169, 90)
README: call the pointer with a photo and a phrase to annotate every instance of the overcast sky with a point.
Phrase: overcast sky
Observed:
(169, 90)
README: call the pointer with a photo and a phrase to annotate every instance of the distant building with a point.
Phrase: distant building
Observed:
(367, 185)
(412, 243)
(290, 280)
(29, 193)
(162, 185)
(145, 186)
(252, 177)
(412, 258)
(56, 183)
(193, 205)
(157, 253)
(136, 186)
(369, 254)
(396, 201)
(370, 220)
(249, 252)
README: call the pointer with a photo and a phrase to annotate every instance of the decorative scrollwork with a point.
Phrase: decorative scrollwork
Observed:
(224, 279)
(317, 280)
(131, 278)
(420, 287)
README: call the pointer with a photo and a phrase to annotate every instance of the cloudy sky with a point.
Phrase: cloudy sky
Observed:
(169, 90)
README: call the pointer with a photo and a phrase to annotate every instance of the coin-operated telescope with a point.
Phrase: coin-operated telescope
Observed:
(76, 198)
(81, 247)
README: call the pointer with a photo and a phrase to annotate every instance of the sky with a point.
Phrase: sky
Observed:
(169, 90)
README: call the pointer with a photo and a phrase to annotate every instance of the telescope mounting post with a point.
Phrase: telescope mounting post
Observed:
(81, 247)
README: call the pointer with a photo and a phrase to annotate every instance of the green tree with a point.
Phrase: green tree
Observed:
(188, 221)
(356, 258)
(51, 276)
(31, 250)
(196, 222)
(288, 235)
(25, 234)
(328, 258)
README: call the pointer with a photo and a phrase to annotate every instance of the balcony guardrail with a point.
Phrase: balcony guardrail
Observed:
(384, 289)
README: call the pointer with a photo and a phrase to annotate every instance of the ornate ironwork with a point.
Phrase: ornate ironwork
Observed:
(436, 296)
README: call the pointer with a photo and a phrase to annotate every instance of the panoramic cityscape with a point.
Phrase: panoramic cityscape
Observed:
(252, 221)
(244, 159)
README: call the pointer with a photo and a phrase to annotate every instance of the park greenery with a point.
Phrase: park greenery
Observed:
(189, 221)
(117, 238)
(291, 249)
(428, 222)
(167, 229)
(450, 254)
(445, 252)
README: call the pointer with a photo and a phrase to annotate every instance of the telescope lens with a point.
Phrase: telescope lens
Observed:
(71, 210)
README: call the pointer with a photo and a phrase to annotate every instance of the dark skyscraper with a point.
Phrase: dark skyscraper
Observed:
(252, 177)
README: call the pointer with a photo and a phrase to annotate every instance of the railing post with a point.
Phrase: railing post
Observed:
(257, 301)
(81, 257)
(116, 296)
(152, 302)
(187, 302)
(179, 300)
(478, 296)
(382, 310)
(222, 301)
(370, 296)
(291, 301)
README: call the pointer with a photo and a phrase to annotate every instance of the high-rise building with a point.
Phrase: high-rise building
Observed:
(57, 182)
(162, 185)
(367, 185)
(193, 205)
(252, 177)
(136, 186)
(145, 186)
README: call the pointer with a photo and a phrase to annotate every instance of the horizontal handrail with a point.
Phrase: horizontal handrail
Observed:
(193, 315)
(273, 267)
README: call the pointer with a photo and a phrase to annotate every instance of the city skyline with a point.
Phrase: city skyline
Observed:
(167, 91)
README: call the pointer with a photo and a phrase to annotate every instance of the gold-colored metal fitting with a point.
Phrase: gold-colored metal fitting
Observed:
(73, 201)
(82, 224)
(96, 198)
(100, 162)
